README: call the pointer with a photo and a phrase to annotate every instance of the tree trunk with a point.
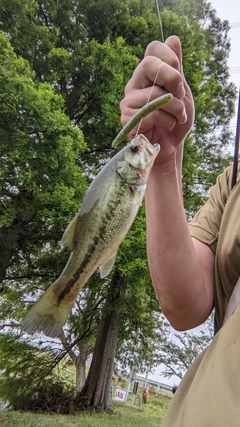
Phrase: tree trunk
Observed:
(80, 365)
(96, 391)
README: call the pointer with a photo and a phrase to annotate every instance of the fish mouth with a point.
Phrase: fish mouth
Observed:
(152, 149)
(140, 144)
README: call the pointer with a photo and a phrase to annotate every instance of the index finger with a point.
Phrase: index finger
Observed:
(153, 70)
(169, 52)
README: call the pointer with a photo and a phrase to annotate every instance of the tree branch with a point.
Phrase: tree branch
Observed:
(66, 346)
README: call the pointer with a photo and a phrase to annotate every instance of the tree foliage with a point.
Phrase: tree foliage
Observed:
(40, 176)
(19, 363)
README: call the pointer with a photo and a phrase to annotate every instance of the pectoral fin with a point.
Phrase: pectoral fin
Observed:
(67, 241)
(137, 199)
(105, 269)
(137, 194)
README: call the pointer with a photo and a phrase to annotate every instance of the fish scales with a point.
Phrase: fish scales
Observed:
(94, 235)
(110, 222)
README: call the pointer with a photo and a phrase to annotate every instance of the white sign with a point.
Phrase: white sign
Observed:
(119, 395)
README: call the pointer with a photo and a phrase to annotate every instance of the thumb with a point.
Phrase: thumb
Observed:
(174, 43)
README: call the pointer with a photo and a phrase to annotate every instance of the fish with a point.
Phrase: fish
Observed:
(93, 237)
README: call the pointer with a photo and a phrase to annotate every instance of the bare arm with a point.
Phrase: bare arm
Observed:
(182, 268)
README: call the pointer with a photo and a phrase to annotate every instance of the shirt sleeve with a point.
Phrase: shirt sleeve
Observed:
(205, 225)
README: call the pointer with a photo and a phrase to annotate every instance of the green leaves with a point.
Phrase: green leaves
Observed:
(38, 139)
(41, 181)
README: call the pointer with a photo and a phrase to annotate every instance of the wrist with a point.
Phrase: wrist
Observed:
(165, 182)
(171, 163)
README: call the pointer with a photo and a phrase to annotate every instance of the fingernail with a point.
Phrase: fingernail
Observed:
(180, 91)
(184, 117)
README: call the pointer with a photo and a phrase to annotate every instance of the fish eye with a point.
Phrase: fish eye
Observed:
(134, 148)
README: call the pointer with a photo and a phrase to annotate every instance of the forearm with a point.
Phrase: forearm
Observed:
(182, 270)
(176, 272)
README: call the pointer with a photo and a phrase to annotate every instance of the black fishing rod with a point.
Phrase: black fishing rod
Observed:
(236, 150)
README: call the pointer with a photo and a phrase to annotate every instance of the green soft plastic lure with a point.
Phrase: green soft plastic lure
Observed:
(143, 112)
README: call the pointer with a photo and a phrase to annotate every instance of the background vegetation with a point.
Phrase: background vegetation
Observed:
(121, 416)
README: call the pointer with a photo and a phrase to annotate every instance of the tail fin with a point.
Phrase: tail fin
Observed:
(46, 315)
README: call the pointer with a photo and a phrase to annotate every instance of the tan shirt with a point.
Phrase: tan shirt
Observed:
(218, 225)
(209, 394)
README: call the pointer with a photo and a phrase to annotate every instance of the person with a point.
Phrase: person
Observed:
(145, 395)
(194, 266)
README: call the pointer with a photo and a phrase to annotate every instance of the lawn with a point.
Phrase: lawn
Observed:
(122, 415)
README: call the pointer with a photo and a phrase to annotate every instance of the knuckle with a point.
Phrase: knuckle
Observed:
(149, 64)
(175, 80)
(123, 108)
(152, 48)
(174, 62)
(129, 86)
(163, 52)
(179, 109)
(122, 105)
(147, 61)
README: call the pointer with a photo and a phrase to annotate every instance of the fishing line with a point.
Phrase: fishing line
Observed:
(160, 21)
(154, 83)
(148, 107)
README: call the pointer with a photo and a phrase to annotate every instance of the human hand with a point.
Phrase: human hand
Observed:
(169, 125)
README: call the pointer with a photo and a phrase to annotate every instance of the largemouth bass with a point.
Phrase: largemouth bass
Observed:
(95, 233)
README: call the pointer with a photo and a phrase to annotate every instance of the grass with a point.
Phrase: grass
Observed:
(122, 415)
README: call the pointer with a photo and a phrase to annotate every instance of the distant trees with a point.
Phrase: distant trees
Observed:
(178, 351)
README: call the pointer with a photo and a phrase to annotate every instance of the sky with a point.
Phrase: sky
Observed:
(226, 10)
(230, 10)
